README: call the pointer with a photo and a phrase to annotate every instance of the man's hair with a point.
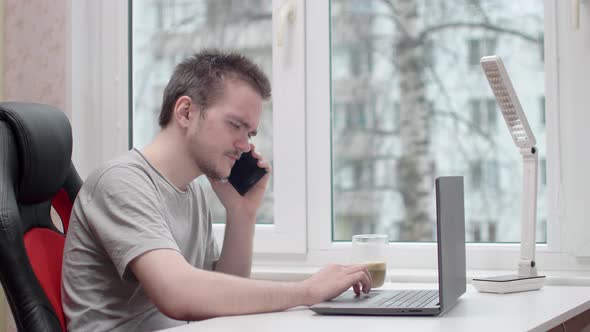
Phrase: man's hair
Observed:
(202, 77)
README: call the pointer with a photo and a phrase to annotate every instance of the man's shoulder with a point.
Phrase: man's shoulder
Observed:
(129, 168)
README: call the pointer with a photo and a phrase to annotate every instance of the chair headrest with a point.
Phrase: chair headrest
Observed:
(44, 145)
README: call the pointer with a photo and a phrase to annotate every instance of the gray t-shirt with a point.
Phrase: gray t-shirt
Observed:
(124, 209)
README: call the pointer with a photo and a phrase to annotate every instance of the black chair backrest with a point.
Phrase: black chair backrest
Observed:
(36, 173)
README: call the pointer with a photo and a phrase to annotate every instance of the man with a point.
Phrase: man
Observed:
(140, 253)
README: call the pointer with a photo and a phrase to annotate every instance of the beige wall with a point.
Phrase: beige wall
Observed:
(35, 51)
(32, 64)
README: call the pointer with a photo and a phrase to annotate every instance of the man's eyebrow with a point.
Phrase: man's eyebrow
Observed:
(244, 123)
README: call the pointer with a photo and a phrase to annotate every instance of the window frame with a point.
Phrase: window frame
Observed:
(97, 92)
(97, 81)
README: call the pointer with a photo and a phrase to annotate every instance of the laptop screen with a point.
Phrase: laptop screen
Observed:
(450, 216)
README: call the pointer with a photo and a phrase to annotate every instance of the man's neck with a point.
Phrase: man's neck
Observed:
(167, 155)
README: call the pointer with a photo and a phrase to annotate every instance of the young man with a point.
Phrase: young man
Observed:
(140, 252)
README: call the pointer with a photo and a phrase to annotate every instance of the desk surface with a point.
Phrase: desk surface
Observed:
(528, 311)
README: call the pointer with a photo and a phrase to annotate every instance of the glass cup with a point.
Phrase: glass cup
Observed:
(371, 251)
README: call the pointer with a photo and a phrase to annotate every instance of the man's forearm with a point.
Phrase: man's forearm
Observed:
(236, 254)
(184, 292)
(222, 295)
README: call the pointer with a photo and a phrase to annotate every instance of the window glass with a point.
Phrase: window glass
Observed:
(164, 32)
(417, 105)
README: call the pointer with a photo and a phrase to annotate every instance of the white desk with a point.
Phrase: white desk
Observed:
(528, 311)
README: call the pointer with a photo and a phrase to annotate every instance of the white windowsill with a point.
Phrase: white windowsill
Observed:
(554, 277)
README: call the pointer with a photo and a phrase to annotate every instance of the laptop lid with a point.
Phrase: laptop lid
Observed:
(450, 211)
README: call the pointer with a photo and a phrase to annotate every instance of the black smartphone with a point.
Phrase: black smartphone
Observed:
(245, 173)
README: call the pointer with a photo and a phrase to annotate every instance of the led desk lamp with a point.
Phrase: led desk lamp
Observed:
(527, 277)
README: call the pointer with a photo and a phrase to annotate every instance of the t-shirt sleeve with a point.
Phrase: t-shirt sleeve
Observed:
(123, 213)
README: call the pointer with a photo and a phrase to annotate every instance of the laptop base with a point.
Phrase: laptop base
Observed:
(408, 302)
(374, 312)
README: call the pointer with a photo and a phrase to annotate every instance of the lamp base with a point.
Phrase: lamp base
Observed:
(508, 284)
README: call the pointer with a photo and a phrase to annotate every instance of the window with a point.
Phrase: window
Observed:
(543, 171)
(485, 175)
(346, 178)
(360, 62)
(542, 115)
(436, 135)
(356, 116)
(475, 173)
(492, 173)
(481, 231)
(308, 148)
(484, 114)
(476, 116)
(492, 113)
(480, 47)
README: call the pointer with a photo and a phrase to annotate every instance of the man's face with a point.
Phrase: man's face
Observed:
(217, 139)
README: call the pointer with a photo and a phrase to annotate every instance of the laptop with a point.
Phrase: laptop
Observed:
(450, 231)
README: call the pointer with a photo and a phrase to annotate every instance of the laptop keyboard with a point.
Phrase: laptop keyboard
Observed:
(407, 299)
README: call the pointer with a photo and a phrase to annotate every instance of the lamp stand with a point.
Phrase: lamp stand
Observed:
(527, 278)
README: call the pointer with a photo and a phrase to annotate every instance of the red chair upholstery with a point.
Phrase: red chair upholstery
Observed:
(36, 172)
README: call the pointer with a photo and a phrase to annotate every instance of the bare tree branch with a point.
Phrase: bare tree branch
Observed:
(437, 28)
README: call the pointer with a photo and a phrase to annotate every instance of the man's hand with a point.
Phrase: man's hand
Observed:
(236, 254)
(243, 205)
(332, 280)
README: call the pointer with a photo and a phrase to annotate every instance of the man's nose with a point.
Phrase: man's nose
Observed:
(243, 145)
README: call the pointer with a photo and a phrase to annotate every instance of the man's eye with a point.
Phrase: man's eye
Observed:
(235, 125)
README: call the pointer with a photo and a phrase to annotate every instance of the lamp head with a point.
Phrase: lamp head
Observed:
(509, 104)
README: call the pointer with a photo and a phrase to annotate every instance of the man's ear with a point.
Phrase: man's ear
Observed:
(182, 111)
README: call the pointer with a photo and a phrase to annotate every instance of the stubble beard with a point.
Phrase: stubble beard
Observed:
(202, 157)
(209, 169)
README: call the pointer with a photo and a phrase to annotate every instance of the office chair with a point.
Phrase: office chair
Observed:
(36, 173)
